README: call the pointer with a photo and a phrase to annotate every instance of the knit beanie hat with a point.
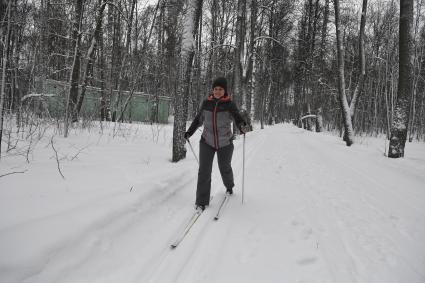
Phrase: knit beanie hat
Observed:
(221, 82)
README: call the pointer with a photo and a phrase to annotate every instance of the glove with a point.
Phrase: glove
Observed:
(243, 128)
(186, 135)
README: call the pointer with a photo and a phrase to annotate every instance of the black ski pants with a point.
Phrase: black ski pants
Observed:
(206, 158)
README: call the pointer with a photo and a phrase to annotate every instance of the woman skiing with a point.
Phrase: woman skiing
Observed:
(216, 114)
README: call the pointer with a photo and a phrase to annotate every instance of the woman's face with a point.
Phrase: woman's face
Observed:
(218, 92)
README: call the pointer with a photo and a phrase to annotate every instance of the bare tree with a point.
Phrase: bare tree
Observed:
(362, 66)
(5, 44)
(418, 54)
(345, 108)
(405, 81)
(362, 62)
(124, 66)
(75, 69)
(239, 96)
(324, 34)
(248, 83)
(90, 55)
(102, 84)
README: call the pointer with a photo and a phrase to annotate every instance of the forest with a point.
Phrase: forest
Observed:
(351, 67)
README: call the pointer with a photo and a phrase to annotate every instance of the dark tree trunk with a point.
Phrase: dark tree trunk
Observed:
(75, 69)
(124, 69)
(102, 66)
(405, 81)
(319, 121)
(173, 12)
(324, 35)
(117, 62)
(77, 60)
(211, 72)
(3, 74)
(90, 56)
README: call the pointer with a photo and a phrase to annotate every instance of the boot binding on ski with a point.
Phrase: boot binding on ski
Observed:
(200, 207)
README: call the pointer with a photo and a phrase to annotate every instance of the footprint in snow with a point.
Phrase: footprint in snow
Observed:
(307, 260)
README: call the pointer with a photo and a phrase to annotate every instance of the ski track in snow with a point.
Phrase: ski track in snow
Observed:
(82, 248)
(313, 212)
(181, 264)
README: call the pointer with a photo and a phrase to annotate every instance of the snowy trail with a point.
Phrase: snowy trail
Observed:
(315, 211)
(320, 217)
(373, 211)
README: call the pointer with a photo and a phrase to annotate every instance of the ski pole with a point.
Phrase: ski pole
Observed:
(243, 168)
(196, 157)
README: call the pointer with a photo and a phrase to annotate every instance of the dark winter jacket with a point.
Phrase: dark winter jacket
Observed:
(217, 115)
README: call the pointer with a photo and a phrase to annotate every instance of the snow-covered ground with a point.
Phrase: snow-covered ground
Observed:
(314, 211)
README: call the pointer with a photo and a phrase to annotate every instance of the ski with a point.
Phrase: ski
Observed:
(188, 226)
(222, 206)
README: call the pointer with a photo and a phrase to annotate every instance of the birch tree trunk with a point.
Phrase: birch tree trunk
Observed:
(238, 94)
(362, 64)
(348, 127)
(190, 28)
(405, 81)
(247, 81)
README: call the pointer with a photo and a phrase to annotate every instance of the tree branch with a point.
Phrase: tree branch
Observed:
(57, 158)
(18, 172)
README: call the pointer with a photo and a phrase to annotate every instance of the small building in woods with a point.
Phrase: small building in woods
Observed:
(142, 107)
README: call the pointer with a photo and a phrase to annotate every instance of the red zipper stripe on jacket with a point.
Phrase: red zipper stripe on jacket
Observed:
(215, 125)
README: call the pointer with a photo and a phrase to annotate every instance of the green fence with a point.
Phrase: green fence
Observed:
(141, 107)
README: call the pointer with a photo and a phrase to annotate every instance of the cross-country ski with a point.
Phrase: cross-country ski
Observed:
(222, 206)
(187, 228)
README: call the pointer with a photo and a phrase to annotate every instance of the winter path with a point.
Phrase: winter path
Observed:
(315, 211)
